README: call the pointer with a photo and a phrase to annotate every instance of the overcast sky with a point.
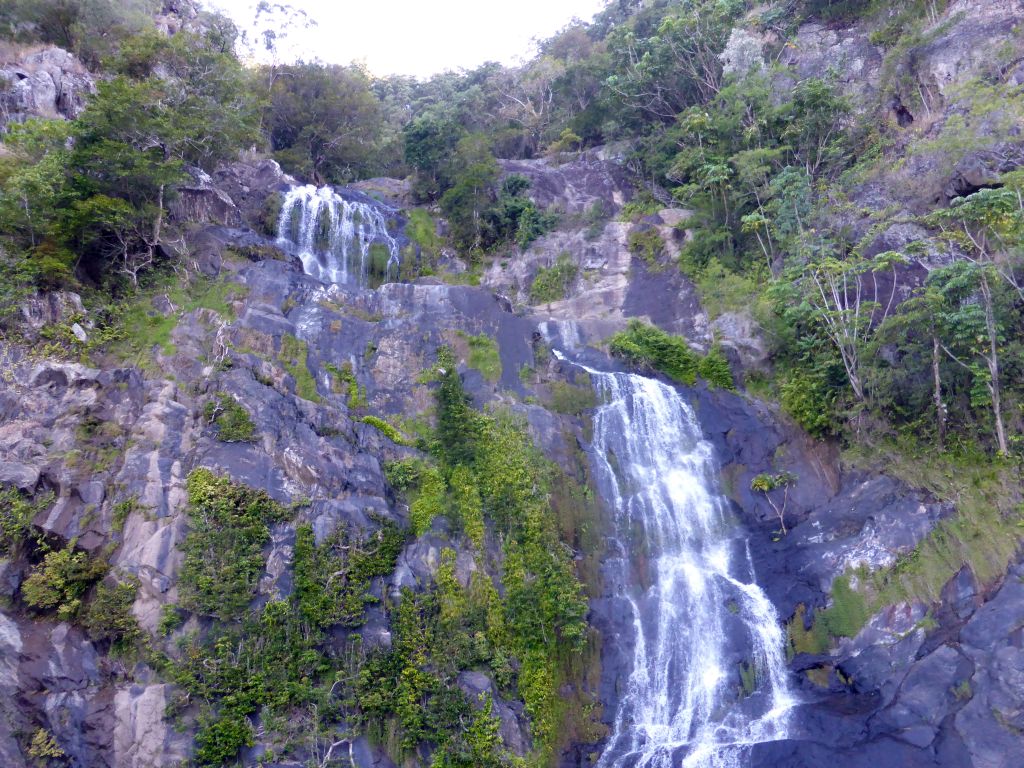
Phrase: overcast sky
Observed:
(419, 37)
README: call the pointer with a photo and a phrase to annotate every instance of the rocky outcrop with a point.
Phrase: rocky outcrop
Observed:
(47, 82)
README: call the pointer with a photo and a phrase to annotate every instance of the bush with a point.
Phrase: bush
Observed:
(16, 513)
(644, 345)
(646, 244)
(231, 419)
(223, 551)
(552, 283)
(570, 398)
(805, 398)
(60, 582)
(109, 614)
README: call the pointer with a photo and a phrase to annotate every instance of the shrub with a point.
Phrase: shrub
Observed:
(223, 551)
(645, 345)
(570, 398)
(16, 513)
(109, 614)
(805, 398)
(646, 244)
(552, 283)
(60, 582)
(232, 420)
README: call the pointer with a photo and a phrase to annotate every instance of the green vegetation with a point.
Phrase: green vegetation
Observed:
(294, 357)
(44, 747)
(644, 345)
(646, 244)
(553, 283)
(232, 421)
(16, 514)
(572, 399)
(223, 551)
(390, 432)
(60, 582)
(345, 381)
(108, 616)
(483, 355)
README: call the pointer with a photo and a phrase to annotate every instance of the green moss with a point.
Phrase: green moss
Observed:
(345, 381)
(553, 283)
(572, 399)
(294, 358)
(849, 611)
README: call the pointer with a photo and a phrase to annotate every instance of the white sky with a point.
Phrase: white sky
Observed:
(419, 37)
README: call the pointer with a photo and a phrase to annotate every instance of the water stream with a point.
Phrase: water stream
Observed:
(682, 565)
(335, 238)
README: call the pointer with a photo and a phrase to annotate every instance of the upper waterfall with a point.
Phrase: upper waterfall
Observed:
(338, 240)
(709, 671)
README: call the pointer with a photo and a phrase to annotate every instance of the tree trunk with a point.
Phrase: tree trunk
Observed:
(992, 359)
(940, 407)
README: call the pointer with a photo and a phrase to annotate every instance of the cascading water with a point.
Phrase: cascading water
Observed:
(334, 237)
(684, 569)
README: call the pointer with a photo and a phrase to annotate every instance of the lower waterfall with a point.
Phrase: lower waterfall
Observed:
(682, 565)
(335, 238)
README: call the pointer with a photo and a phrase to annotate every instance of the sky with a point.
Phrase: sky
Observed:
(418, 37)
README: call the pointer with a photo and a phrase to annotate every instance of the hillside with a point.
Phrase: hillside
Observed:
(657, 402)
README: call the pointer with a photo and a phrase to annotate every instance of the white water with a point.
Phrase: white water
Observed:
(684, 569)
(332, 236)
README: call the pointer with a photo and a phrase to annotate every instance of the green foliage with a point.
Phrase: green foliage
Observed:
(60, 582)
(108, 615)
(572, 399)
(848, 613)
(483, 355)
(332, 581)
(16, 514)
(218, 741)
(647, 346)
(44, 747)
(552, 283)
(466, 504)
(231, 419)
(646, 244)
(347, 382)
(223, 551)
(390, 432)
(715, 370)
(805, 399)
(294, 357)
(430, 501)
(324, 122)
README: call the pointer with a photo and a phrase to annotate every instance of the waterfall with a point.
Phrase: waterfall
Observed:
(682, 566)
(335, 238)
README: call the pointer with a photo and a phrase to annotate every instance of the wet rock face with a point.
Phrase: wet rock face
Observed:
(49, 83)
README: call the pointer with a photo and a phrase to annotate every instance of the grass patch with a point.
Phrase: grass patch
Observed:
(985, 533)
(483, 355)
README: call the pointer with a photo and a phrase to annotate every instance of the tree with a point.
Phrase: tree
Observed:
(986, 232)
(767, 483)
(324, 122)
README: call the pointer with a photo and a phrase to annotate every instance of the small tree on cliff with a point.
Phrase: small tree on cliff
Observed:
(767, 483)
